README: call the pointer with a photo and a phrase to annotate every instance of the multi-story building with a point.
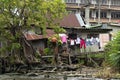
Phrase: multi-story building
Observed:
(102, 11)
(106, 12)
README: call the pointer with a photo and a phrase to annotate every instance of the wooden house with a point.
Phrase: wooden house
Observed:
(39, 41)
(75, 27)
(74, 24)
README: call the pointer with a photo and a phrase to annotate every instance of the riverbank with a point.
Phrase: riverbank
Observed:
(87, 73)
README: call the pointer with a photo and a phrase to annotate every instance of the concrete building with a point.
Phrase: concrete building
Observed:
(105, 12)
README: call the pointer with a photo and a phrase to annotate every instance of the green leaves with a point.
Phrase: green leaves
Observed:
(58, 30)
(113, 52)
(115, 59)
(15, 46)
(18, 15)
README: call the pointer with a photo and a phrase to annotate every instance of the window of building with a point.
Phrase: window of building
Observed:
(93, 1)
(115, 2)
(83, 14)
(103, 2)
(70, 1)
(91, 14)
(103, 14)
(115, 15)
(96, 14)
(92, 35)
(83, 1)
(72, 11)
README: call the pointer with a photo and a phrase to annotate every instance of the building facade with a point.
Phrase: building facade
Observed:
(103, 11)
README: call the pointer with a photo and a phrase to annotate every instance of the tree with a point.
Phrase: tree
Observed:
(16, 16)
(113, 52)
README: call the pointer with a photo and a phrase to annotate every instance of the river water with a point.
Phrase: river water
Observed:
(14, 76)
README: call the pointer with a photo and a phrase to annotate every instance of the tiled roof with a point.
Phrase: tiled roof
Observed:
(70, 21)
(48, 34)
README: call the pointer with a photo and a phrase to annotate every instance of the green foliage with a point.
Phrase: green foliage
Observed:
(15, 46)
(98, 55)
(113, 52)
(48, 51)
(16, 16)
(59, 30)
(115, 59)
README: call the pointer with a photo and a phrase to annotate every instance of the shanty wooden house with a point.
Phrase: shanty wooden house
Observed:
(75, 27)
(74, 24)
(39, 41)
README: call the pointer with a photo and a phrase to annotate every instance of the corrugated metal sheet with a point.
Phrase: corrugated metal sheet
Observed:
(36, 36)
(70, 21)
(80, 19)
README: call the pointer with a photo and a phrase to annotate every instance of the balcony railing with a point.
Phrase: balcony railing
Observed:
(95, 2)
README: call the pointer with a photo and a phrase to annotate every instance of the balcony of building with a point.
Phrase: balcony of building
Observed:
(104, 20)
(104, 4)
(103, 7)
(95, 2)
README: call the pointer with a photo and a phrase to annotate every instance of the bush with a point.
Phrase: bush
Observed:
(113, 52)
(48, 51)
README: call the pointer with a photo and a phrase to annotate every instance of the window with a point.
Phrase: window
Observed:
(91, 14)
(71, 11)
(70, 1)
(115, 15)
(104, 2)
(103, 14)
(115, 2)
(83, 1)
(92, 35)
(93, 1)
(82, 14)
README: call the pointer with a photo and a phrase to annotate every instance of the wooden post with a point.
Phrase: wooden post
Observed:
(87, 14)
(69, 57)
(86, 57)
(64, 77)
(2, 70)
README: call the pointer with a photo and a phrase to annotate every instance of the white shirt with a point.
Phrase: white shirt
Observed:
(77, 40)
(72, 42)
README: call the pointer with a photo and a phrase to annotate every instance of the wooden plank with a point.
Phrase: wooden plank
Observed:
(51, 56)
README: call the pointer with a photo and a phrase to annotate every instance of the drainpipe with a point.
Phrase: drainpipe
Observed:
(99, 5)
(109, 11)
(87, 13)
(78, 2)
(109, 3)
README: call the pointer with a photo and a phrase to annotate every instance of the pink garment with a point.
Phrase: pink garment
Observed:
(64, 39)
(82, 43)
